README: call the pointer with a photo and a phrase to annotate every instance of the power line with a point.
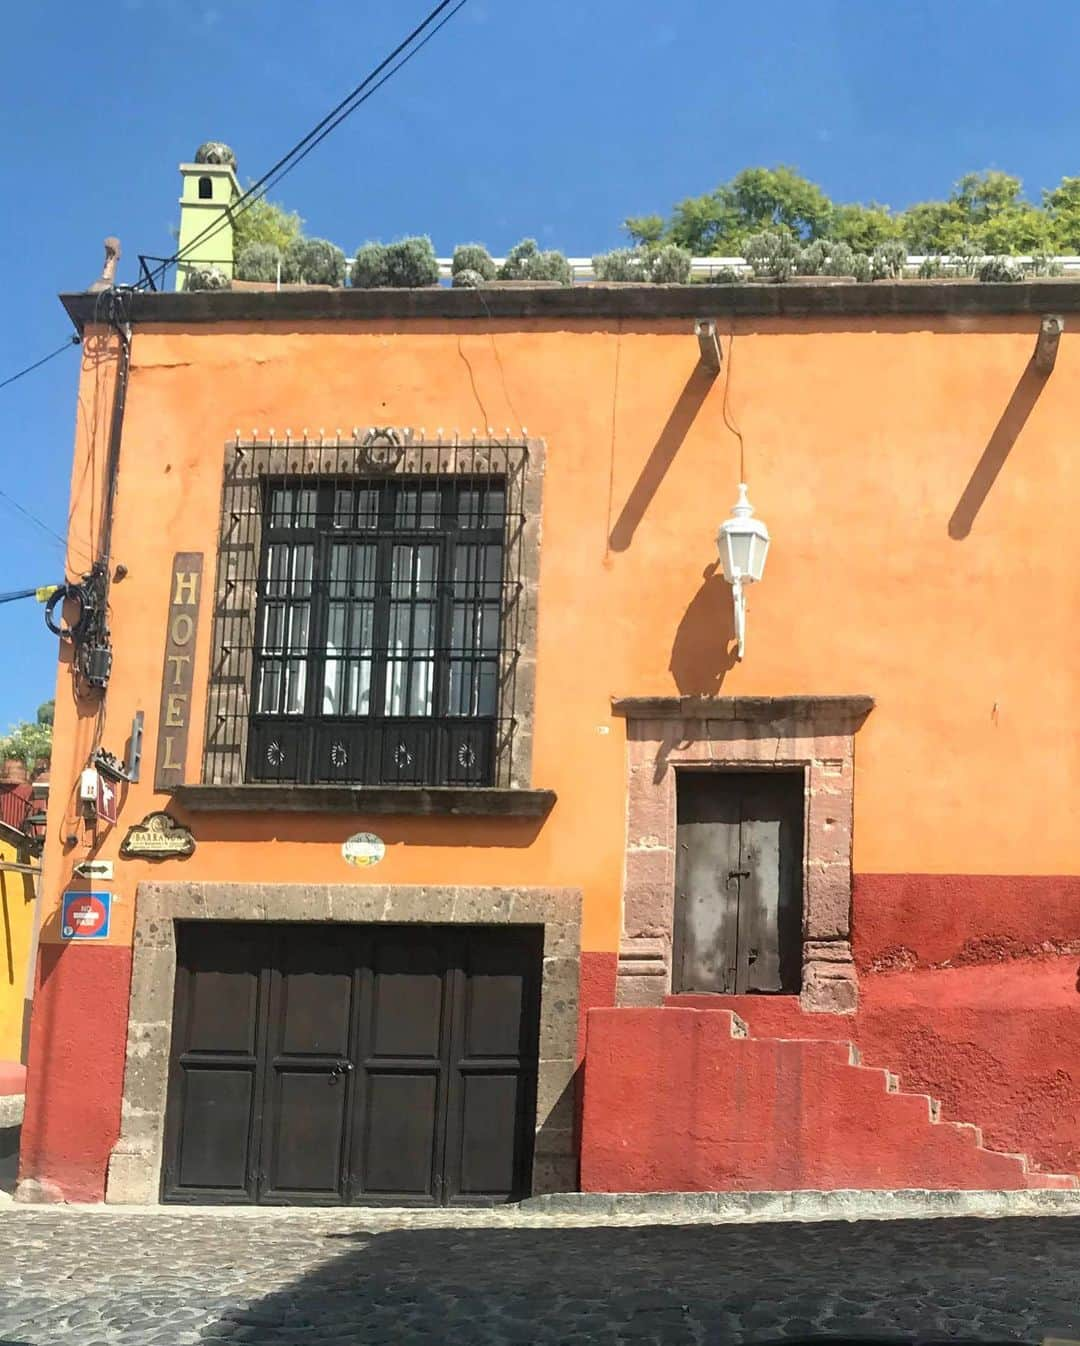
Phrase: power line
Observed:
(303, 147)
(330, 122)
(374, 89)
(63, 541)
(71, 341)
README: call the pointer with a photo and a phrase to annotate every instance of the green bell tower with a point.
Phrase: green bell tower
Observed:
(209, 189)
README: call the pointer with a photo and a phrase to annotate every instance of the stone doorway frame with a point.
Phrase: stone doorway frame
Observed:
(814, 733)
(134, 1176)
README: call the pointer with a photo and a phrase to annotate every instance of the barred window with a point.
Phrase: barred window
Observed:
(375, 612)
(378, 632)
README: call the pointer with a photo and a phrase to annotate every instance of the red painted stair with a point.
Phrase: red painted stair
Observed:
(681, 1099)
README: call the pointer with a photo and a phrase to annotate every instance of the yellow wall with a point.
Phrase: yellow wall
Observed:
(16, 934)
(866, 443)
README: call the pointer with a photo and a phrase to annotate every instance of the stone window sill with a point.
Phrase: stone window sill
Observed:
(415, 800)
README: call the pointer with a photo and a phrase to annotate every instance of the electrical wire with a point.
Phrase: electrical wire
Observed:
(727, 419)
(315, 136)
(498, 360)
(58, 537)
(71, 341)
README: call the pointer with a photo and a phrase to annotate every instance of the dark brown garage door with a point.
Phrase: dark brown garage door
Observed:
(382, 1065)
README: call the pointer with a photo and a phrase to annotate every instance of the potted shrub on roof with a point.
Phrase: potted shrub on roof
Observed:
(408, 264)
(313, 261)
(472, 265)
(667, 265)
(526, 264)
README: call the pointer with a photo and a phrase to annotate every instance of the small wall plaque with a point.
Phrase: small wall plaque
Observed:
(158, 837)
(363, 849)
(94, 869)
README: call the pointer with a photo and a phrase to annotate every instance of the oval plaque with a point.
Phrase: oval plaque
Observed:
(363, 849)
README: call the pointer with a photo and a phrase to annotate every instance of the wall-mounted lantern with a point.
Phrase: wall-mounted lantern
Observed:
(743, 542)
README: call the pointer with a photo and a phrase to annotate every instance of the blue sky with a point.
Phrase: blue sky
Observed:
(552, 119)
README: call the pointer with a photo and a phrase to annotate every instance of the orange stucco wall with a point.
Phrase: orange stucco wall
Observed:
(901, 566)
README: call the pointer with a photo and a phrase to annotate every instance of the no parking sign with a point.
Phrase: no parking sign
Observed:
(85, 915)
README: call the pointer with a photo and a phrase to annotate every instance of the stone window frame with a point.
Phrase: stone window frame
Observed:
(228, 700)
(134, 1173)
(811, 733)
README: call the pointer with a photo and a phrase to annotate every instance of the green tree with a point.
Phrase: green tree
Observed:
(863, 228)
(265, 222)
(645, 230)
(1062, 209)
(27, 743)
(984, 213)
(780, 197)
(45, 712)
(934, 226)
(756, 200)
(1000, 220)
(1018, 228)
(706, 225)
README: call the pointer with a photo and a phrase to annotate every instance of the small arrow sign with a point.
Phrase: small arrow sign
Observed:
(94, 869)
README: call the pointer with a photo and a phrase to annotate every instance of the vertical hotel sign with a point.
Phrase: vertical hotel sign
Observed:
(178, 674)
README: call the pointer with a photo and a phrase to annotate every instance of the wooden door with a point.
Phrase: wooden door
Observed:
(211, 1131)
(308, 1066)
(402, 1070)
(325, 1064)
(493, 1053)
(738, 883)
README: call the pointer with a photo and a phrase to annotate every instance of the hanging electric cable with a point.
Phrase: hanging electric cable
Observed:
(43, 592)
(303, 147)
(13, 378)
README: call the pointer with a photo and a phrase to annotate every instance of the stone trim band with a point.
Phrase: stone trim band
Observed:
(135, 1165)
(812, 733)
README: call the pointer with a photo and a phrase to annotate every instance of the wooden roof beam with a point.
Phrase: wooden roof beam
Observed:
(1047, 342)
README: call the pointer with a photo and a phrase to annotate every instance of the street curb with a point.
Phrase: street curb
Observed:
(754, 1207)
(597, 1209)
(12, 1107)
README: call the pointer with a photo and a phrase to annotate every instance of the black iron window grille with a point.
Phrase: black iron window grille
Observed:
(369, 615)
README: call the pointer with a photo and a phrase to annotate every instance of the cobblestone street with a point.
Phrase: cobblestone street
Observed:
(173, 1278)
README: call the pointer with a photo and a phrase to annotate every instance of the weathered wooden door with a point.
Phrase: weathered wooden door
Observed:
(307, 1067)
(738, 882)
(335, 1064)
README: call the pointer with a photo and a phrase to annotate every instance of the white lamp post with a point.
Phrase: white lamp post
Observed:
(743, 542)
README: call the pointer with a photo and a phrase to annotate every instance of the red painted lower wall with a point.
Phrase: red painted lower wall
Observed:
(905, 921)
(969, 991)
(998, 1045)
(674, 1101)
(597, 988)
(76, 1068)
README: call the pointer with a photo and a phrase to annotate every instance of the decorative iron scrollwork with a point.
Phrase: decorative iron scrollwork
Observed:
(381, 449)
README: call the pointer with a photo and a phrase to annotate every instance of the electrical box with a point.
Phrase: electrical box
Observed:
(88, 786)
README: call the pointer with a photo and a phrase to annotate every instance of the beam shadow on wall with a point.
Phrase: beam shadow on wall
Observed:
(1006, 432)
(663, 454)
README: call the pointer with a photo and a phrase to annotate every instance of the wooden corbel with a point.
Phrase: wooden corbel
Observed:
(1046, 345)
(708, 344)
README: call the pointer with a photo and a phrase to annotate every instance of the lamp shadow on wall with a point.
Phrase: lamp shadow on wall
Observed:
(703, 651)
(1006, 432)
(663, 454)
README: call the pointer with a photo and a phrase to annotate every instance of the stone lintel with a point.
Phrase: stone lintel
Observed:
(744, 709)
